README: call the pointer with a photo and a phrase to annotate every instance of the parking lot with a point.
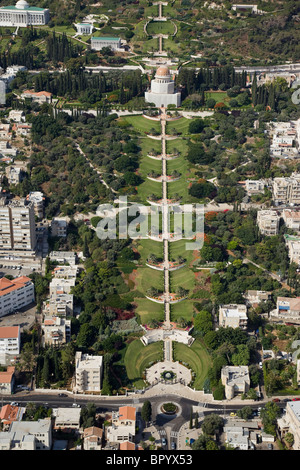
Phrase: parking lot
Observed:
(25, 318)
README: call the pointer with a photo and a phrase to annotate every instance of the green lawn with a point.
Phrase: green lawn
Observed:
(142, 124)
(138, 358)
(148, 310)
(181, 125)
(148, 247)
(160, 27)
(197, 357)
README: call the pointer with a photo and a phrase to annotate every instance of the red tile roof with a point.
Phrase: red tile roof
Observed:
(9, 331)
(7, 286)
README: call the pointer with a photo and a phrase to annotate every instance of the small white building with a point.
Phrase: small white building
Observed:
(236, 380)
(84, 29)
(233, 315)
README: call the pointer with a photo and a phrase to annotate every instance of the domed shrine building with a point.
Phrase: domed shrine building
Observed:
(23, 15)
(162, 92)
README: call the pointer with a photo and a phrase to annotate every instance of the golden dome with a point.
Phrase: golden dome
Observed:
(162, 71)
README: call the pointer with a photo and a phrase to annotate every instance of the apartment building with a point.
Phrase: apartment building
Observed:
(10, 340)
(56, 331)
(88, 372)
(234, 316)
(286, 190)
(39, 97)
(15, 294)
(92, 438)
(64, 257)
(293, 246)
(7, 381)
(61, 305)
(37, 198)
(66, 418)
(28, 435)
(61, 286)
(291, 219)
(253, 187)
(287, 309)
(236, 380)
(65, 272)
(268, 222)
(290, 422)
(284, 140)
(14, 175)
(59, 227)
(17, 225)
(123, 425)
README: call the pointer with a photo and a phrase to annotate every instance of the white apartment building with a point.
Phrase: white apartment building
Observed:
(27, 435)
(15, 294)
(66, 418)
(98, 43)
(234, 316)
(56, 331)
(236, 380)
(37, 198)
(23, 15)
(17, 225)
(92, 438)
(290, 422)
(123, 425)
(65, 272)
(293, 246)
(10, 340)
(7, 381)
(291, 219)
(255, 186)
(287, 309)
(286, 190)
(61, 305)
(61, 286)
(13, 175)
(268, 222)
(88, 372)
(64, 257)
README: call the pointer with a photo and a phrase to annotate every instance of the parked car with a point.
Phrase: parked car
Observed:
(164, 442)
(173, 445)
(62, 395)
